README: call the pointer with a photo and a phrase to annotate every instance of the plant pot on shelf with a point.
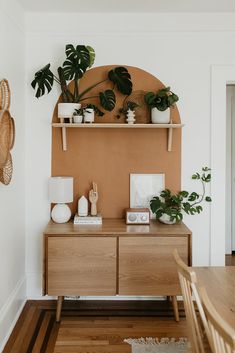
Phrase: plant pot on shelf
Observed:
(166, 219)
(89, 115)
(77, 119)
(160, 117)
(66, 110)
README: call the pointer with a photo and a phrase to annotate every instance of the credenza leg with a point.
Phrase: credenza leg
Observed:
(175, 308)
(59, 307)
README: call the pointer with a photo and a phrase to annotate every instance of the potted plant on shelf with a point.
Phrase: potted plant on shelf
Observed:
(169, 207)
(78, 116)
(160, 103)
(78, 60)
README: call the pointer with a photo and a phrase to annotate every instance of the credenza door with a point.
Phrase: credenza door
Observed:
(81, 265)
(147, 267)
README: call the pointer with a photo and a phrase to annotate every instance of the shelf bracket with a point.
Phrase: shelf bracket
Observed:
(64, 136)
(170, 137)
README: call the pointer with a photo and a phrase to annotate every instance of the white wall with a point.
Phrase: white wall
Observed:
(179, 49)
(12, 197)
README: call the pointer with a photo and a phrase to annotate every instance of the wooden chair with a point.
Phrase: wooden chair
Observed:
(221, 334)
(197, 324)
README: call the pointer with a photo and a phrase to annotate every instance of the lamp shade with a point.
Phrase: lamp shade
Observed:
(61, 189)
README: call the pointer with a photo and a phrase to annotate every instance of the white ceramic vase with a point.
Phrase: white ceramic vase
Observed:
(89, 115)
(130, 116)
(165, 218)
(77, 119)
(66, 110)
(159, 117)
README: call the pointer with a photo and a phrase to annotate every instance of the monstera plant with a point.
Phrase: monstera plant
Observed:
(78, 60)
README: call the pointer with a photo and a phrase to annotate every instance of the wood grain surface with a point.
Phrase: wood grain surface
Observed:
(81, 266)
(92, 327)
(219, 283)
(147, 267)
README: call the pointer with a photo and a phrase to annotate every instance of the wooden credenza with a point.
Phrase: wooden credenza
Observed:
(113, 259)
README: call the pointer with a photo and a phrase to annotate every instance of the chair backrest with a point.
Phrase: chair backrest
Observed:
(197, 325)
(221, 333)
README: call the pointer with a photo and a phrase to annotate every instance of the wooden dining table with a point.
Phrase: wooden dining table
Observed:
(220, 286)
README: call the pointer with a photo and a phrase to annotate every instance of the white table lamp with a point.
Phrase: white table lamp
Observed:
(61, 193)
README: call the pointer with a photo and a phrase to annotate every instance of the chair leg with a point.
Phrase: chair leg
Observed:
(175, 307)
(58, 308)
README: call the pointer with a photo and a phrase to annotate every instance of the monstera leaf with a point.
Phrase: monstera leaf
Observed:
(78, 60)
(43, 80)
(92, 55)
(122, 79)
(107, 99)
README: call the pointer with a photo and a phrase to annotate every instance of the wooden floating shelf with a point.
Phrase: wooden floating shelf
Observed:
(65, 126)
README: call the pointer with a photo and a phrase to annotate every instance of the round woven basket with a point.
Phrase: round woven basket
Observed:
(5, 95)
(6, 136)
(12, 134)
(6, 171)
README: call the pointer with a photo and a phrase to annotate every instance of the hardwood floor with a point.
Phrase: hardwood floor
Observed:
(92, 327)
(230, 260)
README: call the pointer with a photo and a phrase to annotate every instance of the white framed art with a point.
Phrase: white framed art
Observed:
(143, 187)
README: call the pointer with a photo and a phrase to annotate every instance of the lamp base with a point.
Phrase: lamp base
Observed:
(61, 213)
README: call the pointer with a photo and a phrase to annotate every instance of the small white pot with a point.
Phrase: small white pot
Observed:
(89, 115)
(165, 218)
(130, 116)
(77, 119)
(66, 110)
(159, 117)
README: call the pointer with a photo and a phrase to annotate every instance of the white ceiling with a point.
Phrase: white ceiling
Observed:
(129, 5)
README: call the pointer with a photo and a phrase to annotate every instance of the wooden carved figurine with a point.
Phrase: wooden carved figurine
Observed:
(93, 198)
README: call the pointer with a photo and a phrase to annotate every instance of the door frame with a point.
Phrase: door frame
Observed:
(221, 76)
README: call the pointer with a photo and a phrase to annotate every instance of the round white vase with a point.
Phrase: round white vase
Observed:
(66, 110)
(159, 117)
(61, 213)
(89, 115)
(165, 218)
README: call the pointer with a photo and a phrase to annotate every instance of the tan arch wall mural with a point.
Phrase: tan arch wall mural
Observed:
(108, 156)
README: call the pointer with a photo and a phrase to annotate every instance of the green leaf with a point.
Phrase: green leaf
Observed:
(78, 60)
(206, 169)
(196, 176)
(184, 193)
(107, 99)
(92, 55)
(43, 81)
(199, 209)
(208, 199)
(150, 99)
(122, 79)
(193, 196)
(155, 204)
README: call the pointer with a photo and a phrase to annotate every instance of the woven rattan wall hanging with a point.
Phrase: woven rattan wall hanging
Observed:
(7, 134)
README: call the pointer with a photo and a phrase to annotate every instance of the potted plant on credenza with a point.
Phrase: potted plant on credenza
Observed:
(169, 207)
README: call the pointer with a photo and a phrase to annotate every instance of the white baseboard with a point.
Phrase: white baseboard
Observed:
(11, 310)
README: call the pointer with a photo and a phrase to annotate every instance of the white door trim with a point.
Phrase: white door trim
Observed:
(220, 77)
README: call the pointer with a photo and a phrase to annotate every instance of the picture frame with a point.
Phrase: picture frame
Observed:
(143, 187)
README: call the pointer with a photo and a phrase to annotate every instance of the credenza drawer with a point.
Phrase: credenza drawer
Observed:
(81, 265)
(147, 267)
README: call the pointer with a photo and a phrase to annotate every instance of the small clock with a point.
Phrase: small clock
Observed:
(137, 216)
